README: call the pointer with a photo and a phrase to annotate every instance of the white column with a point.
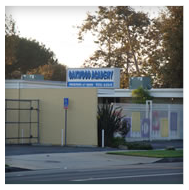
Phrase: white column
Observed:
(169, 122)
(149, 115)
(62, 133)
(102, 138)
(22, 136)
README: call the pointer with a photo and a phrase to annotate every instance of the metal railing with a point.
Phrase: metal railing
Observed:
(21, 121)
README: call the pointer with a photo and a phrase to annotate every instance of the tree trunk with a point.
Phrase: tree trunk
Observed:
(132, 50)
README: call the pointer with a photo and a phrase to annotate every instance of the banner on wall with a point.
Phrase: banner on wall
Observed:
(173, 121)
(135, 121)
(155, 121)
(164, 127)
(145, 128)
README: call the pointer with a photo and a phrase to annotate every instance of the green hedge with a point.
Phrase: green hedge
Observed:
(116, 141)
(138, 146)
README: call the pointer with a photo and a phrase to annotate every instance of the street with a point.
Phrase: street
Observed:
(154, 173)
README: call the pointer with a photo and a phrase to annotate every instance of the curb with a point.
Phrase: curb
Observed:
(14, 169)
(166, 160)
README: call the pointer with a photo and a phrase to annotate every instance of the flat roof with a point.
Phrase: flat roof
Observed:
(16, 84)
(158, 92)
(102, 92)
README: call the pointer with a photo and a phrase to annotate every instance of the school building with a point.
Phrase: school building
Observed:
(35, 110)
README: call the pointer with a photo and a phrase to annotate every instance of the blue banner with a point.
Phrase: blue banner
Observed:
(173, 121)
(145, 128)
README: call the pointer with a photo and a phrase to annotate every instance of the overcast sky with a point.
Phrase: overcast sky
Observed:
(56, 28)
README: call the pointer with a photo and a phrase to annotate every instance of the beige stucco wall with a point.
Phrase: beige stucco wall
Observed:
(81, 115)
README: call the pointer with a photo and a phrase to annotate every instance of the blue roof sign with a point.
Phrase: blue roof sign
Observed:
(94, 77)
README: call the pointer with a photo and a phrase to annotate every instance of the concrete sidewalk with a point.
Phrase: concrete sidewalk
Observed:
(11, 150)
(84, 160)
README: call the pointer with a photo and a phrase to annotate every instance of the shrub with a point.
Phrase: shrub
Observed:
(140, 96)
(116, 141)
(110, 120)
(125, 127)
(170, 148)
(138, 146)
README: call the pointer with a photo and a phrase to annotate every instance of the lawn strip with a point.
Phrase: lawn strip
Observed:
(152, 153)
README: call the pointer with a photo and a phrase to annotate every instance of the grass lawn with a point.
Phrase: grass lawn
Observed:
(152, 153)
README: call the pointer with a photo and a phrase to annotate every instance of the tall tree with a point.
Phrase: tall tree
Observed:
(119, 31)
(10, 26)
(165, 61)
(30, 54)
(140, 46)
(51, 72)
(11, 41)
(23, 55)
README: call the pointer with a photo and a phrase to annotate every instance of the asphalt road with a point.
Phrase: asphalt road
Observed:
(156, 173)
